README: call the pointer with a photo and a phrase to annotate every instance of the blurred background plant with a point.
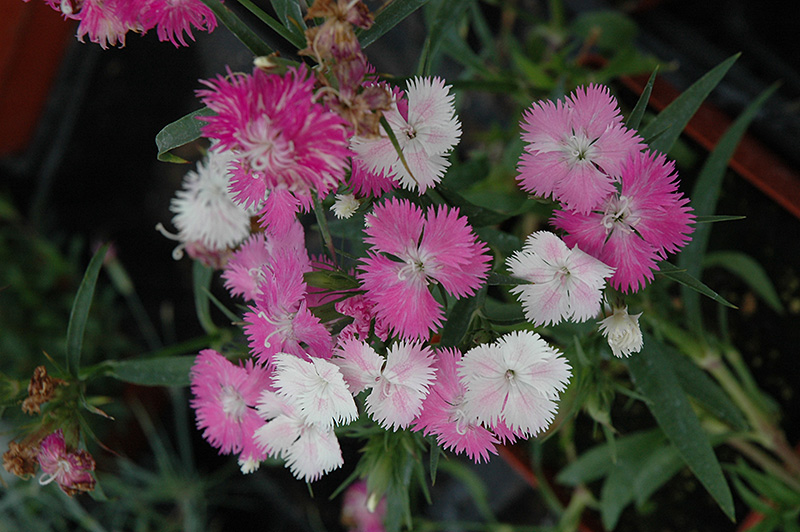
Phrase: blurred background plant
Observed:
(626, 451)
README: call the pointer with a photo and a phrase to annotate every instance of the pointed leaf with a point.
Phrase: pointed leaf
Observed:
(80, 311)
(236, 26)
(165, 371)
(679, 275)
(180, 132)
(291, 33)
(201, 277)
(291, 15)
(718, 218)
(641, 106)
(673, 119)
(750, 271)
(655, 378)
(459, 318)
(387, 18)
(448, 13)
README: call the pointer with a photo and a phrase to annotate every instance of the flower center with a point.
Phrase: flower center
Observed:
(265, 147)
(284, 325)
(619, 215)
(417, 266)
(232, 403)
(579, 148)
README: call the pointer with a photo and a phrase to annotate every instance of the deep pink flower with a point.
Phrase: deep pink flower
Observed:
(410, 251)
(105, 21)
(70, 469)
(280, 321)
(173, 18)
(443, 413)
(224, 397)
(285, 140)
(369, 183)
(564, 283)
(637, 226)
(575, 148)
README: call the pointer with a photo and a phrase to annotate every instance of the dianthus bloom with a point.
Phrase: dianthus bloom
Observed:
(224, 399)
(444, 413)
(637, 226)
(288, 146)
(516, 380)
(173, 18)
(575, 148)
(622, 332)
(399, 382)
(565, 283)
(70, 469)
(411, 250)
(426, 130)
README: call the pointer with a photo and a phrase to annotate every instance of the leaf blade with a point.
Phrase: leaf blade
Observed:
(178, 133)
(79, 315)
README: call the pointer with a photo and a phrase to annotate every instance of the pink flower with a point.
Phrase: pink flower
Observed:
(280, 321)
(357, 515)
(564, 283)
(515, 380)
(369, 183)
(173, 18)
(426, 129)
(224, 395)
(105, 21)
(443, 413)
(409, 252)
(244, 273)
(70, 469)
(286, 142)
(635, 227)
(575, 148)
(399, 383)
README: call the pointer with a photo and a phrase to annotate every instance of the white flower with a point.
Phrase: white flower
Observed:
(564, 283)
(426, 129)
(316, 387)
(204, 209)
(345, 205)
(623, 332)
(516, 380)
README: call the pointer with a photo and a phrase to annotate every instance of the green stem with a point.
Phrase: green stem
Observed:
(764, 461)
(322, 221)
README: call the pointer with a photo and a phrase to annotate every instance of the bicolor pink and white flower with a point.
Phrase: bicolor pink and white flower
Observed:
(426, 128)
(622, 332)
(516, 380)
(174, 18)
(564, 283)
(412, 250)
(636, 227)
(575, 148)
(279, 321)
(224, 397)
(71, 469)
(444, 413)
(289, 147)
(399, 383)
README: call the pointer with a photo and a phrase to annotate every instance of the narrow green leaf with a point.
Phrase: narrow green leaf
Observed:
(750, 271)
(503, 313)
(201, 278)
(703, 389)
(448, 13)
(180, 132)
(291, 15)
(166, 371)
(297, 39)
(655, 378)
(718, 218)
(616, 493)
(235, 25)
(661, 465)
(331, 280)
(679, 275)
(635, 119)
(704, 201)
(478, 216)
(497, 279)
(80, 311)
(387, 18)
(673, 119)
(459, 317)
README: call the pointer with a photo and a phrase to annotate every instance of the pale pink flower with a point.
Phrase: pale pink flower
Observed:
(516, 380)
(310, 450)
(444, 414)
(174, 18)
(224, 397)
(622, 332)
(412, 250)
(426, 128)
(564, 283)
(287, 143)
(575, 148)
(280, 321)
(357, 513)
(399, 383)
(316, 387)
(245, 271)
(70, 469)
(637, 226)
